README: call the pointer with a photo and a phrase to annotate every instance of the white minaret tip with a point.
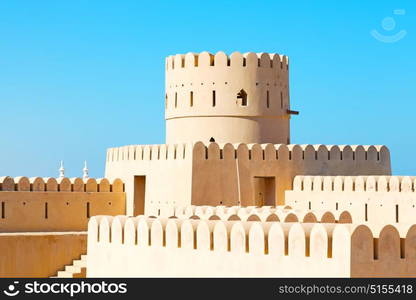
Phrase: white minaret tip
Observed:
(85, 171)
(62, 170)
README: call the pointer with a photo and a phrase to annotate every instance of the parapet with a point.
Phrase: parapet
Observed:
(251, 213)
(292, 152)
(150, 152)
(211, 235)
(141, 246)
(38, 184)
(228, 151)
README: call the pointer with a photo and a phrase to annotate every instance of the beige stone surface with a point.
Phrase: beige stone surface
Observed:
(34, 205)
(252, 213)
(39, 254)
(160, 247)
(194, 113)
(369, 199)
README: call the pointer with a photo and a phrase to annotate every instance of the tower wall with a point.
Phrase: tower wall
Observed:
(202, 100)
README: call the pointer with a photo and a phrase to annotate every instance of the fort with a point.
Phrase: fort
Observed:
(228, 190)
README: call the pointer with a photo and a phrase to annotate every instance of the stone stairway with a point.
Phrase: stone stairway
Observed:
(78, 269)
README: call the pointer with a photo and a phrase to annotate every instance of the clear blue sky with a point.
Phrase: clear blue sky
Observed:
(77, 77)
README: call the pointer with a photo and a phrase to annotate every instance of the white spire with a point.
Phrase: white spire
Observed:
(85, 171)
(62, 170)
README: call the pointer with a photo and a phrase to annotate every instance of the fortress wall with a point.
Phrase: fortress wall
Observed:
(263, 214)
(166, 169)
(370, 199)
(39, 254)
(224, 174)
(389, 252)
(193, 115)
(147, 247)
(62, 204)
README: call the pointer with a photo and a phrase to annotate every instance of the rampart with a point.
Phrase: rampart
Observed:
(39, 254)
(370, 199)
(230, 174)
(55, 205)
(144, 169)
(141, 247)
(149, 247)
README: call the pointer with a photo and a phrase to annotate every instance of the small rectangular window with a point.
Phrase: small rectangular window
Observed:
(88, 210)
(176, 99)
(46, 210)
(213, 98)
(268, 99)
(281, 100)
(191, 99)
(166, 101)
(3, 211)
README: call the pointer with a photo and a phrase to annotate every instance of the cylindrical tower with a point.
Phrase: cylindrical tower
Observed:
(227, 99)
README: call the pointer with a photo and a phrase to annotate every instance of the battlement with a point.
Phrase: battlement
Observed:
(355, 183)
(150, 152)
(57, 204)
(160, 247)
(277, 239)
(228, 151)
(236, 98)
(49, 184)
(264, 214)
(291, 152)
(220, 59)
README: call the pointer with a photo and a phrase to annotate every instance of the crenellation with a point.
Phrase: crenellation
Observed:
(256, 238)
(220, 59)
(22, 184)
(404, 184)
(357, 250)
(37, 184)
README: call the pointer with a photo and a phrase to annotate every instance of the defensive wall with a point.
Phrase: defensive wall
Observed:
(230, 174)
(159, 247)
(153, 175)
(369, 199)
(236, 98)
(54, 205)
(238, 174)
